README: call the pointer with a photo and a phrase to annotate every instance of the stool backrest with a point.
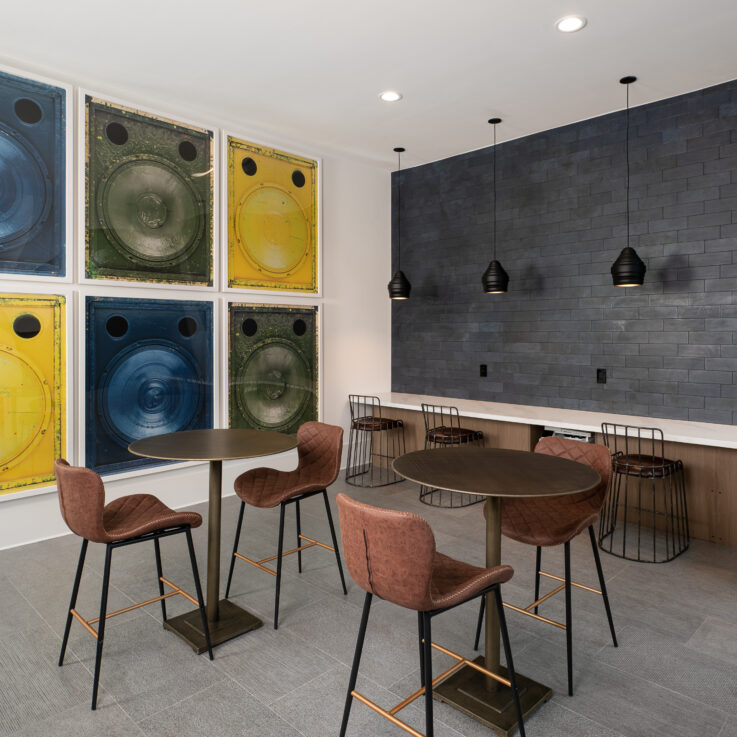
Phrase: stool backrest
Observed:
(364, 405)
(319, 447)
(591, 454)
(82, 500)
(388, 553)
(440, 415)
(640, 444)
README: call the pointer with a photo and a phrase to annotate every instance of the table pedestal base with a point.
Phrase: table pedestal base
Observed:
(232, 621)
(468, 691)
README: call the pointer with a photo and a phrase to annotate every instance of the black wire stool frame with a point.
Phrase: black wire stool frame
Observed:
(99, 634)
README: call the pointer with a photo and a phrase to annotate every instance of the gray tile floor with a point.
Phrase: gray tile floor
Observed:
(674, 673)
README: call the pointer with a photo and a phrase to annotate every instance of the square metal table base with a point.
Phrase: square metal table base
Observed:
(232, 621)
(468, 691)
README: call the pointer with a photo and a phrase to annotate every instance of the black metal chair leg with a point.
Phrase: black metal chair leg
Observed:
(356, 662)
(159, 574)
(235, 548)
(510, 663)
(538, 564)
(198, 588)
(421, 633)
(335, 540)
(73, 600)
(427, 662)
(482, 609)
(569, 633)
(101, 623)
(299, 538)
(278, 565)
(604, 595)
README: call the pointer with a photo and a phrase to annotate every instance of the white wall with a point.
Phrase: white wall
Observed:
(355, 324)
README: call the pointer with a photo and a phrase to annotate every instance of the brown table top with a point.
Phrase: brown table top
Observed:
(213, 445)
(496, 472)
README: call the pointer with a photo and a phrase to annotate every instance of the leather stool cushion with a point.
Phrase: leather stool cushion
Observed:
(645, 466)
(137, 514)
(375, 424)
(452, 435)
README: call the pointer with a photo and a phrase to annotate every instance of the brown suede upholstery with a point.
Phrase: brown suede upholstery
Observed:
(392, 554)
(82, 502)
(319, 449)
(554, 520)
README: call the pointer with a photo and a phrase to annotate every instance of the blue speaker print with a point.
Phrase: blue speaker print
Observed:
(148, 371)
(32, 177)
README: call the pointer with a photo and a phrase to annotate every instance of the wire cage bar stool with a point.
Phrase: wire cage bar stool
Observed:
(645, 517)
(374, 442)
(443, 429)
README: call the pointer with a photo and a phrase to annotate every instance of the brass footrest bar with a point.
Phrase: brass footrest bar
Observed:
(535, 616)
(573, 583)
(544, 598)
(461, 662)
(87, 623)
(260, 563)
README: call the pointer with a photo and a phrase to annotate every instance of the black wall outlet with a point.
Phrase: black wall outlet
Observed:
(601, 376)
(482, 369)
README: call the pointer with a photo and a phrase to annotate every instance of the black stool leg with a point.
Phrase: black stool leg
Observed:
(602, 584)
(335, 541)
(421, 632)
(569, 633)
(101, 623)
(73, 601)
(510, 663)
(538, 563)
(198, 588)
(356, 662)
(427, 662)
(299, 539)
(482, 609)
(159, 574)
(278, 566)
(235, 548)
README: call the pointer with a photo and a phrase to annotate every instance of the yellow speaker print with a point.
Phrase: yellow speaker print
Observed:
(272, 219)
(32, 391)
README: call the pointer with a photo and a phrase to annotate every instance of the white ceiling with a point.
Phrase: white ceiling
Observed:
(311, 70)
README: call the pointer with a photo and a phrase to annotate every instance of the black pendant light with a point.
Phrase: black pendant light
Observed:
(628, 270)
(399, 287)
(495, 279)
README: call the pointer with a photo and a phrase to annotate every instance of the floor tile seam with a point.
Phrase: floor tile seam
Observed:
(679, 694)
(563, 706)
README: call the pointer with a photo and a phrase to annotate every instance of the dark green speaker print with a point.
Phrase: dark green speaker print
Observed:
(273, 366)
(149, 210)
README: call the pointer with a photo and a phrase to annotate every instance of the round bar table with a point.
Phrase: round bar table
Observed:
(225, 619)
(494, 473)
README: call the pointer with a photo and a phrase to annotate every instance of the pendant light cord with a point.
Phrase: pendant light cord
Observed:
(493, 199)
(627, 158)
(399, 211)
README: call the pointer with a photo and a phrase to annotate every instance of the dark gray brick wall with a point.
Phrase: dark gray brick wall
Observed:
(669, 347)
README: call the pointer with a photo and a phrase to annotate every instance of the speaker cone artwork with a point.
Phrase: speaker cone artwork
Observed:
(272, 219)
(148, 371)
(33, 389)
(272, 366)
(149, 197)
(32, 177)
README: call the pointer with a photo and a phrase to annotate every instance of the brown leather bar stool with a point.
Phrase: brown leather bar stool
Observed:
(131, 519)
(392, 555)
(645, 517)
(556, 520)
(443, 429)
(374, 442)
(319, 447)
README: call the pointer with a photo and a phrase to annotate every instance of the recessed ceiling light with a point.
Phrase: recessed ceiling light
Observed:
(570, 23)
(390, 96)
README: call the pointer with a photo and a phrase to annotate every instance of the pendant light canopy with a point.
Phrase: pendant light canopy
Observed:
(399, 287)
(629, 269)
(495, 280)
